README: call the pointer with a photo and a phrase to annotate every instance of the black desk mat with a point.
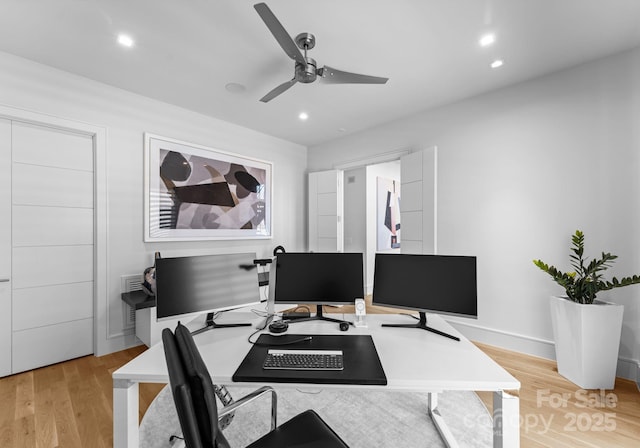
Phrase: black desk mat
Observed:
(360, 359)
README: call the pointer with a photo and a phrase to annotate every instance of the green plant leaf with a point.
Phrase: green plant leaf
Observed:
(583, 285)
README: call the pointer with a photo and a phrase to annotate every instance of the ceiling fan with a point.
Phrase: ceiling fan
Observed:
(306, 69)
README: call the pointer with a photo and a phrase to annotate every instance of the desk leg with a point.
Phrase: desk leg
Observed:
(438, 421)
(506, 420)
(125, 414)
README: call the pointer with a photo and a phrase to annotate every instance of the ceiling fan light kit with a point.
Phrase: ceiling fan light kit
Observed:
(306, 69)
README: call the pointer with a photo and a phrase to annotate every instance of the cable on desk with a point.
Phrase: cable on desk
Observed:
(259, 344)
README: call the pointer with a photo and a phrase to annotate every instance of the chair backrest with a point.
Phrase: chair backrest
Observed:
(192, 390)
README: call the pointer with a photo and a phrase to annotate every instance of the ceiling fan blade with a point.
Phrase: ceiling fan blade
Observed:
(278, 90)
(332, 76)
(281, 35)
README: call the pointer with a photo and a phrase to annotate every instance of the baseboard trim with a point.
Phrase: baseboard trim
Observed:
(630, 369)
(627, 368)
(505, 339)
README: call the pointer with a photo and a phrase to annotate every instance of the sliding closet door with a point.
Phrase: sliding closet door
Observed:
(52, 245)
(5, 247)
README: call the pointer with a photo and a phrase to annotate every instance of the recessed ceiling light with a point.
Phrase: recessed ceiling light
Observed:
(235, 87)
(303, 116)
(487, 39)
(497, 63)
(125, 41)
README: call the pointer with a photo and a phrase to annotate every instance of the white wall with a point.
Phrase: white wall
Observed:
(126, 117)
(519, 170)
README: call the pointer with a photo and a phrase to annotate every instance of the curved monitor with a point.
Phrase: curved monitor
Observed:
(444, 284)
(332, 278)
(205, 284)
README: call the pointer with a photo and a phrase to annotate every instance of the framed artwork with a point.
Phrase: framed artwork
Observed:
(388, 214)
(193, 193)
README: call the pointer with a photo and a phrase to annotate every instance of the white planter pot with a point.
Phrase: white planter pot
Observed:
(587, 341)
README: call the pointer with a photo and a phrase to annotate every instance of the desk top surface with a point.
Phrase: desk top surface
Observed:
(413, 359)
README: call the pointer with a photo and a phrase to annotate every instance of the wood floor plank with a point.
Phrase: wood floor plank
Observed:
(45, 419)
(24, 433)
(24, 406)
(66, 423)
(83, 400)
(70, 370)
(103, 404)
(7, 435)
(8, 389)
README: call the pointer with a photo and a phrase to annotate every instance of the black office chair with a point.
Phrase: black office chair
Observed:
(193, 393)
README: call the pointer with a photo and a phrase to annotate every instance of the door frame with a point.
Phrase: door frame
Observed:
(391, 156)
(98, 135)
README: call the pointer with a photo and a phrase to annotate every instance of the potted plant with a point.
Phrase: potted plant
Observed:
(586, 330)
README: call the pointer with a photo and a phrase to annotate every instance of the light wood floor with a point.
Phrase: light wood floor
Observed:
(70, 405)
(556, 413)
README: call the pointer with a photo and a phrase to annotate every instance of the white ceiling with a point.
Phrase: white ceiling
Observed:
(186, 51)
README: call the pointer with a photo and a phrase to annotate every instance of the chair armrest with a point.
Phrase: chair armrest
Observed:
(249, 398)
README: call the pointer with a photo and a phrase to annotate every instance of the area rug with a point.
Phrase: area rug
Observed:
(362, 418)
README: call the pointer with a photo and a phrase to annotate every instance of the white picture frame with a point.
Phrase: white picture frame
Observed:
(194, 193)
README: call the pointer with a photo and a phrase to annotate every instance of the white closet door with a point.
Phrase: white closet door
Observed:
(5, 247)
(52, 246)
(326, 233)
(418, 207)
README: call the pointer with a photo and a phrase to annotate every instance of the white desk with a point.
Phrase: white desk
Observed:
(413, 360)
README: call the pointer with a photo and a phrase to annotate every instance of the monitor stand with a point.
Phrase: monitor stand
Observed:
(422, 324)
(209, 324)
(319, 316)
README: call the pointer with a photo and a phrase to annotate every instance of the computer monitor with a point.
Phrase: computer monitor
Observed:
(317, 278)
(188, 286)
(443, 284)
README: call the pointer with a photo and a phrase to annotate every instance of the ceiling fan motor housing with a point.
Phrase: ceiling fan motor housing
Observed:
(306, 74)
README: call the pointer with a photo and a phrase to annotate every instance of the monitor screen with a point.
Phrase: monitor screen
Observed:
(334, 278)
(443, 284)
(207, 283)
